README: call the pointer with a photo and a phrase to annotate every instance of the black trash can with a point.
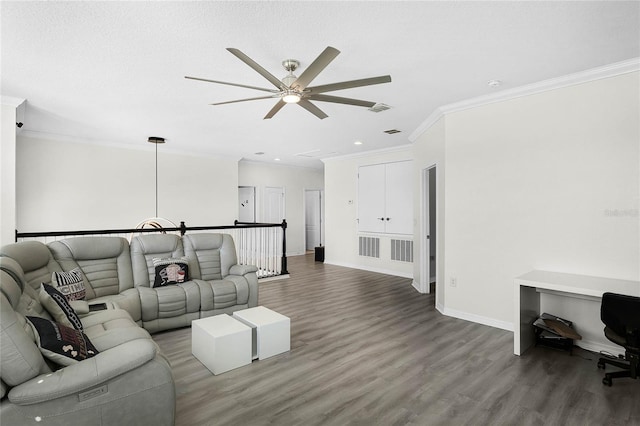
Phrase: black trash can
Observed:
(320, 254)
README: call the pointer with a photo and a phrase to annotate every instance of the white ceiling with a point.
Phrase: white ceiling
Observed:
(112, 72)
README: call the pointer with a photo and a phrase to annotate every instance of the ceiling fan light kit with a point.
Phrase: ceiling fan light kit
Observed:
(292, 89)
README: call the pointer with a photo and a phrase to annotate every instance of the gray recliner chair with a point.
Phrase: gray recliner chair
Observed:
(224, 285)
(127, 383)
(106, 266)
(165, 307)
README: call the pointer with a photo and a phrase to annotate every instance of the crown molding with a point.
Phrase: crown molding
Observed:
(593, 74)
(134, 145)
(12, 101)
(274, 164)
(405, 147)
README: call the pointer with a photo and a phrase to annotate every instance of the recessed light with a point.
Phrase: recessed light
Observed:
(357, 143)
(276, 159)
(494, 83)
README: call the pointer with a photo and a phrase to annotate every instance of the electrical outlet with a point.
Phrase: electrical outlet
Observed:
(453, 282)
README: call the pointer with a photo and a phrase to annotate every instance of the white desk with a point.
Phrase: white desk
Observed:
(527, 298)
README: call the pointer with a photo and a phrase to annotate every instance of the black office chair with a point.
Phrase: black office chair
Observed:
(621, 317)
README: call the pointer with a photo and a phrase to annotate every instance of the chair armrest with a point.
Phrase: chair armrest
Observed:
(85, 374)
(242, 269)
(80, 306)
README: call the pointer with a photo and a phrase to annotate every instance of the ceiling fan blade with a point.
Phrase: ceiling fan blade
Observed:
(339, 100)
(349, 84)
(277, 107)
(232, 84)
(253, 64)
(312, 109)
(244, 100)
(316, 67)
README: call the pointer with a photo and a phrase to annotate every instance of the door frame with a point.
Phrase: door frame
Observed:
(425, 243)
(304, 214)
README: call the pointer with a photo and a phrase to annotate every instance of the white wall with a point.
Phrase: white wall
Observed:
(71, 186)
(294, 180)
(8, 169)
(429, 150)
(546, 181)
(341, 206)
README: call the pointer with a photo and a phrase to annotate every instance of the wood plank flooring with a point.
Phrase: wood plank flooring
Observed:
(367, 349)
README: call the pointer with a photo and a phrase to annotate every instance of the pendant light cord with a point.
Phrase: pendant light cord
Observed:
(156, 180)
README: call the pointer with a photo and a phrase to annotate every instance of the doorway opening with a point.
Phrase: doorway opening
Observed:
(313, 218)
(428, 241)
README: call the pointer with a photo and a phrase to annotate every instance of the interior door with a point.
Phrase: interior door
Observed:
(371, 198)
(312, 218)
(274, 204)
(399, 198)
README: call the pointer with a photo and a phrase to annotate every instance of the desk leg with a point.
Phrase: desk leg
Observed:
(527, 309)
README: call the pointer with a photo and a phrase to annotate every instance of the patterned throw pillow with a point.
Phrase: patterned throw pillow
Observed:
(170, 271)
(61, 344)
(58, 307)
(70, 284)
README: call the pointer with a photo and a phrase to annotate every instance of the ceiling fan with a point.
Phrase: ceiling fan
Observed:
(292, 89)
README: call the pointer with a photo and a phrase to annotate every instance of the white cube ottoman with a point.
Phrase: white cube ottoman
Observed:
(221, 343)
(272, 335)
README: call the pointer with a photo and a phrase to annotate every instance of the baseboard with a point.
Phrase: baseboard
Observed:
(370, 269)
(599, 347)
(504, 325)
(417, 286)
(275, 278)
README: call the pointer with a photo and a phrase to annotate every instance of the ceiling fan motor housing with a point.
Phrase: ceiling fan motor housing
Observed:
(290, 65)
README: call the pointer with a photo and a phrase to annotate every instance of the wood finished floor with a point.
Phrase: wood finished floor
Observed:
(367, 349)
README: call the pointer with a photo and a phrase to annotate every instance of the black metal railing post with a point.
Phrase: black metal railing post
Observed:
(284, 248)
(183, 228)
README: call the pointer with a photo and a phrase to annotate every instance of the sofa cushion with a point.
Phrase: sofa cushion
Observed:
(70, 284)
(61, 344)
(170, 271)
(211, 255)
(20, 359)
(59, 308)
(105, 262)
(35, 259)
(144, 248)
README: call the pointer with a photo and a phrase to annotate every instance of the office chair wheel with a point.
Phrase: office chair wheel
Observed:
(607, 381)
(600, 365)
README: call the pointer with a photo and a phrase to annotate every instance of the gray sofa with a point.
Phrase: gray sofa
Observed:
(129, 381)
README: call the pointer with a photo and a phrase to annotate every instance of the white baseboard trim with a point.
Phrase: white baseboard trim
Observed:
(417, 286)
(440, 308)
(504, 325)
(276, 278)
(599, 347)
(366, 268)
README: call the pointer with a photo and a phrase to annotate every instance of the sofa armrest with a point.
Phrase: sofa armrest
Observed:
(242, 269)
(80, 306)
(85, 374)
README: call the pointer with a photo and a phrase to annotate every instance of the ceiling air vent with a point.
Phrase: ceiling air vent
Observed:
(379, 107)
(392, 131)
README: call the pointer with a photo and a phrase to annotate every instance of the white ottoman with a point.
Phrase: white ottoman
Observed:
(271, 331)
(221, 343)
